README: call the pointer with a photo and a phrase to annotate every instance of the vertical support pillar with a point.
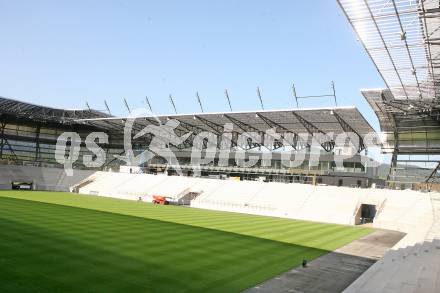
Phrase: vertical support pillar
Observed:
(37, 142)
(392, 173)
(2, 142)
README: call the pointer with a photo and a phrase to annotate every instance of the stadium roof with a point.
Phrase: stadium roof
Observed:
(402, 37)
(44, 114)
(415, 126)
(394, 114)
(324, 121)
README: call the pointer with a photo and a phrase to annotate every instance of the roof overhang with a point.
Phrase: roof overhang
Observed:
(403, 40)
(24, 110)
(414, 125)
(286, 120)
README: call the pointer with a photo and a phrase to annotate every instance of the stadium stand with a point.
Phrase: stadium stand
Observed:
(136, 186)
(30, 133)
(41, 178)
(406, 211)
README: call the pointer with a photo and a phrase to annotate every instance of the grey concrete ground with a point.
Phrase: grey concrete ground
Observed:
(335, 271)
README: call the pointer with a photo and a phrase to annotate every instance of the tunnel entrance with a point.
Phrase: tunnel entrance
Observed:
(367, 213)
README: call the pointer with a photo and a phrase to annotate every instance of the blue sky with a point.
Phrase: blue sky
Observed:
(64, 53)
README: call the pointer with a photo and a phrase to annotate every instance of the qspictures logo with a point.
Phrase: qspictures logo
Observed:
(205, 146)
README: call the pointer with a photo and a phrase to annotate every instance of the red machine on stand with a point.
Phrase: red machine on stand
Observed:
(158, 199)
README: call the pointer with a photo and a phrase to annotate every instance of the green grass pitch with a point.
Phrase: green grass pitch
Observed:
(61, 242)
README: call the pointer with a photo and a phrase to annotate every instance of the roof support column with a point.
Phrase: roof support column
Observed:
(393, 166)
(218, 129)
(37, 142)
(434, 172)
(273, 124)
(328, 145)
(347, 128)
(248, 128)
(2, 143)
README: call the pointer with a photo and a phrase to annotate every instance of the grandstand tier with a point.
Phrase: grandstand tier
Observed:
(406, 211)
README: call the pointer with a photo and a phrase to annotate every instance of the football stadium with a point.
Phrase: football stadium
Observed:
(283, 200)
